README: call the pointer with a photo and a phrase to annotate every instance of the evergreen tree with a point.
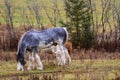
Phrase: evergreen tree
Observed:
(79, 14)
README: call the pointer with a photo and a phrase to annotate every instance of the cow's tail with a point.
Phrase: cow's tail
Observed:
(66, 35)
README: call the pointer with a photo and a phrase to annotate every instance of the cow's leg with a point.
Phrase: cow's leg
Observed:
(63, 52)
(31, 62)
(57, 52)
(60, 55)
(63, 60)
(67, 56)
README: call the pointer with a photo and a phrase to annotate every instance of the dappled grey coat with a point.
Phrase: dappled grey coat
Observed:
(34, 39)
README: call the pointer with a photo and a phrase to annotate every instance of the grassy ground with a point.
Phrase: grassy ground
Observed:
(85, 69)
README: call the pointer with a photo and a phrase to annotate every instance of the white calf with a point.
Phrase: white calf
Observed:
(61, 53)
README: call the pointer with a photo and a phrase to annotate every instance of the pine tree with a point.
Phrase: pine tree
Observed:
(79, 14)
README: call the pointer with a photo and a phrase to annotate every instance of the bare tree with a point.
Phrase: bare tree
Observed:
(105, 17)
(7, 14)
(56, 17)
(109, 23)
(35, 10)
(106, 13)
(116, 20)
(23, 16)
(29, 17)
(56, 12)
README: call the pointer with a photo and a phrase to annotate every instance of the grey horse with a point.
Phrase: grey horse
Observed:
(35, 40)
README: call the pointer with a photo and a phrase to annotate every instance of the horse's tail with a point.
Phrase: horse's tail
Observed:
(66, 35)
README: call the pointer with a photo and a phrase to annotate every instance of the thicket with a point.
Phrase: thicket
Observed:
(90, 29)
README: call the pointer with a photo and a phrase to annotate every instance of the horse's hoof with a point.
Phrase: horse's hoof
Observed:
(20, 69)
(39, 68)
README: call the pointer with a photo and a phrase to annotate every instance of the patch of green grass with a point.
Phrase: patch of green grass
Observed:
(85, 69)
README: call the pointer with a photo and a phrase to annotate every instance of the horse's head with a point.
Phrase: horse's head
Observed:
(20, 62)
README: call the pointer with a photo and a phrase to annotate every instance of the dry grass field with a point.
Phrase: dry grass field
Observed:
(85, 65)
(104, 67)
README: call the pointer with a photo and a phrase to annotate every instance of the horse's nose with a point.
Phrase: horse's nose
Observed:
(21, 69)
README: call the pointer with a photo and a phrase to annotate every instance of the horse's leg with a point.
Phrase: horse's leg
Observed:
(20, 58)
(39, 63)
(20, 67)
(37, 58)
(31, 61)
